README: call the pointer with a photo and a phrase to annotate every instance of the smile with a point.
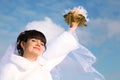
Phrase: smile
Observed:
(37, 48)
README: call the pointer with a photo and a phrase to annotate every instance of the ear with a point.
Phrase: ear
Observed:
(22, 44)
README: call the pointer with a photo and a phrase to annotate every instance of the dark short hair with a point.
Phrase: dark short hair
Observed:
(29, 34)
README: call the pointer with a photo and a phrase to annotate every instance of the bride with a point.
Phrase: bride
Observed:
(33, 58)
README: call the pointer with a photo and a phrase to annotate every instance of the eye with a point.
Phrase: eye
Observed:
(33, 40)
(42, 43)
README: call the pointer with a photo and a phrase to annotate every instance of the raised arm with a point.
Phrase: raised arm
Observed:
(58, 48)
(62, 44)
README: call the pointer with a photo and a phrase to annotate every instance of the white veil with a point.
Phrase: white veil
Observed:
(76, 66)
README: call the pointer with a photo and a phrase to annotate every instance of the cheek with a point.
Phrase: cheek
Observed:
(42, 49)
(28, 48)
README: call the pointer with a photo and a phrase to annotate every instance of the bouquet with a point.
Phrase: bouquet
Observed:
(77, 15)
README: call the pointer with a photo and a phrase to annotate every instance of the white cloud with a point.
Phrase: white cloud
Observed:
(25, 11)
(110, 26)
(99, 31)
(112, 76)
(91, 35)
(7, 18)
(1, 24)
(3, 32)
(113, 28)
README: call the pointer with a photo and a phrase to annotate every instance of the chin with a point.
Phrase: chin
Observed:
(38, 54)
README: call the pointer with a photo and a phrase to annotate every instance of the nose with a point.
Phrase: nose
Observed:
(38, 43)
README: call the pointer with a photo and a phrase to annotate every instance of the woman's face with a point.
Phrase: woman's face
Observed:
(33, 47)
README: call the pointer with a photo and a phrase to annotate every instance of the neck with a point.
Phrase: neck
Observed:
(31, 58)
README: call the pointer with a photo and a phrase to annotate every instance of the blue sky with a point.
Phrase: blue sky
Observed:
(101, 35)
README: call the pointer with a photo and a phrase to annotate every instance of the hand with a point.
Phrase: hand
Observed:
(73, 26)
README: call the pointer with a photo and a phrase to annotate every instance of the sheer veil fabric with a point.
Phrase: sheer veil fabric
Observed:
(77, 65)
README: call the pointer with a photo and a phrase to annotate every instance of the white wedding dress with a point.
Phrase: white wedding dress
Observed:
(64, 59)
